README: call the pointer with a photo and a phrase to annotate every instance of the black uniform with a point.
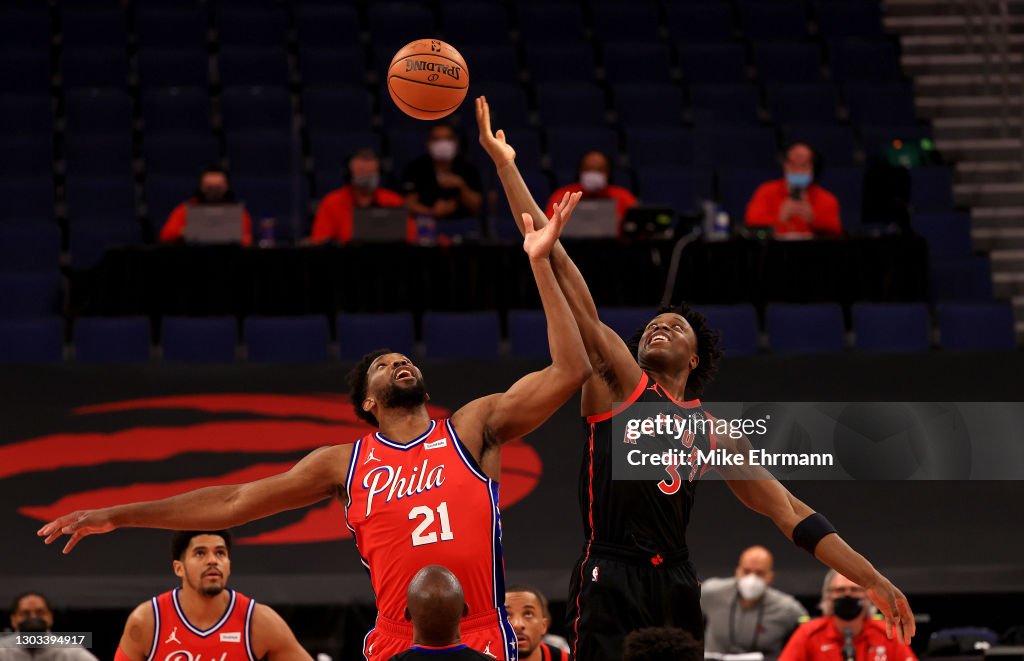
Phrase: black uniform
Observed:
(635, 570)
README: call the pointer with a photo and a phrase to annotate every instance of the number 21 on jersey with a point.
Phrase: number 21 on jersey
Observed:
(420, 536)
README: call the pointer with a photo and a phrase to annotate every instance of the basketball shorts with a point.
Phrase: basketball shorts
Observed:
(488, 633)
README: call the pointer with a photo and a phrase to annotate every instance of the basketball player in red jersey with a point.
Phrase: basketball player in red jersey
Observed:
(634, 571)
(418, 492)
(203, 619)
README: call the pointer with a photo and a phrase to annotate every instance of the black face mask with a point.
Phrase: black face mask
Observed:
(847, 608)
(33, 625)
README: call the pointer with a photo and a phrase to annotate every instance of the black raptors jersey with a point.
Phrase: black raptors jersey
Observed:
(645, 515)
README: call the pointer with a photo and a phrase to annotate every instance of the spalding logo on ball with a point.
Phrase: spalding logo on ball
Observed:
(428, 79)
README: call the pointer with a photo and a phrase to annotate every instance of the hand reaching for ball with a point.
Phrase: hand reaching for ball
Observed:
(493, 143)
(538, 242)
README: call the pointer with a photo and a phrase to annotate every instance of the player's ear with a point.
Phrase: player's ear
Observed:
(368, 404)
(694, 361)
(179, 568)
(547, 624)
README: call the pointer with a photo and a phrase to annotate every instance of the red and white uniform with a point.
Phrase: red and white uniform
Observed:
(177, 639)
(426, 502)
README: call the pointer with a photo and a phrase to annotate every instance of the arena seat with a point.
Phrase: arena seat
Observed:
(359, 334)
(835, 144)
(528, 334)
(461, 334)
(326, 26)
(648, 104)
(626, 321)
(112, 339)
(338, 64)
(181, 154)
(338, 107)
(713, 63)
(182, 26)
(816, 328)
(286, 339)
(701, 21)
(199, 339)
(737, 327)
(88, 242)
(802, 102)
(253, 65)
(891, 327)
(32, 340)
(780, 20)
(30, 294)
(976, 326)
(636, 62)
(960, 279)
(787, 61)
(849, 18)
(571, 104)
(947, 233)
(29, 245)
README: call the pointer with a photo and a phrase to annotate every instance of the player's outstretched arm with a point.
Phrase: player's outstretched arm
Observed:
(137, 638)
(272, 639)
(760, 491)
(615, 369)
(317, 476)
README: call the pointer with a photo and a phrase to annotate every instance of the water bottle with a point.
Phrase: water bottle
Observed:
(716, 222)
(426, 229)
(266, 233)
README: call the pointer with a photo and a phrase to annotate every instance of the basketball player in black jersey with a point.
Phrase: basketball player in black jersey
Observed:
(634, 571)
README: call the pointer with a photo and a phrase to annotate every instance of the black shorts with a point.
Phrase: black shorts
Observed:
(617, 590)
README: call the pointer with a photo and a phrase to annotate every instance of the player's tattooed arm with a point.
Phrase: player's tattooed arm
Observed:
(319, 475)
(272, 639)
(138, 633)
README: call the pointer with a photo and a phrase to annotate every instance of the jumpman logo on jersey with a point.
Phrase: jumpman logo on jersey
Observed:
(370, 457)
(173, 638)
(487, 650)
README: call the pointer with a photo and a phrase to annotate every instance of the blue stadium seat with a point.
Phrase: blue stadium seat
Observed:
(802, 102)
(780, 20)
(636, 62)
(32, 340)
(25, 71)
(880, 103)
(701, 21)
(571, 104)
(539, 185)
(27, 198)
(976, 326)
(199, 339)
(743, 147)
(331, 151)
(528, 334)
(99, 154)
(736, 325)
(112, 339)
(509, 107)
(326, 26)
(30, 294)
(337, 108)
(163, 193)
(649, 146)
(22, 115)
(400, 22)
(849, 18)
(527, 144)
(264, 26)
(737, 185)
(25, 27)
(492, 63)
(176, 109)
(474, 23)
(405, 145)
(252, 65)
(265, 153)
(648, 104)
(287, 339)
(787, 62)
(99, 109)
(715, 63)
(27, 155)
(359, 334)
(89, 27)
(461, 334)
(892, 327)
(282, 198)
(567, 144)
(636, 20)
(847, 184)
(29, 245)
(561, 63)
(95, 67)
(814, 328)
(543, 23)
(177, 67)
(89, 242)
(931, 189)
(735, 103)
(867, 60)
(947, 233)
(835, 144)
(100, 199)
(670, 185)
(179, 154)
(960, 279)
(340, 64)
(183, 27)
(626, 321)
(252, 108)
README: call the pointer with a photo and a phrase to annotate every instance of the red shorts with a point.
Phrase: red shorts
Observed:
(489, 633)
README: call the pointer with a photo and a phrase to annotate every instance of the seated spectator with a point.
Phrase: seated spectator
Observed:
(31, 613)
(530, 618)
(441, 183)
(661, 644)
(333, 221)
(744, 613)
(594, 173)
(435, 606)
(795, 206)
(214, 188)
(845, 630)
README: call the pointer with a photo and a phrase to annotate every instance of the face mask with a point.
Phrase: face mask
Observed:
(847, 607)
(367, 182)
(213, 195)
(593, 181)
(751, 586)
(33, 625)
(442, 150)
(798, 179)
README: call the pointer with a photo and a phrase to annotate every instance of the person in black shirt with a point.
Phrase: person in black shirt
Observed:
(634, 571)
(441, 183)
(435, 606)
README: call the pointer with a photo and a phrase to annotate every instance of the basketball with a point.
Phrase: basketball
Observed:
(428, 79)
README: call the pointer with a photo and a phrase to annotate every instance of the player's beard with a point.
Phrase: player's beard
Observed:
(405, 397)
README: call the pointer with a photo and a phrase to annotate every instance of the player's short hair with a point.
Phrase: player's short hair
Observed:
(357, 379)
(661, 644)
(708, 351)
(182, 538)
(29, 593)
(535, 592)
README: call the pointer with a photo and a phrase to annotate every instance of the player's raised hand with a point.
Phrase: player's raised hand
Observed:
(493, 143)
(539, 242)
(895, 608)
(77, 524)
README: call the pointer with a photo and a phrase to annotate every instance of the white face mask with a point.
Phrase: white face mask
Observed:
(593, 181)
(442, 150)
(751, 586)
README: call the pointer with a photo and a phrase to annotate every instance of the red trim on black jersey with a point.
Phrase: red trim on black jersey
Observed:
(622, 407)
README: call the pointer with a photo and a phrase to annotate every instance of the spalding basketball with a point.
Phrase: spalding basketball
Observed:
(428, 79)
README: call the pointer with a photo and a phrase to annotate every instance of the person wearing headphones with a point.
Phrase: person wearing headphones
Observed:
(333, 221)
(796, 206)
(594, 176)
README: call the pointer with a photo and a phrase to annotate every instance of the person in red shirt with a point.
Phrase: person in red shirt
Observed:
(333, 221)
(845, 631)
(795, 205)
(594, 171)
(214, 188)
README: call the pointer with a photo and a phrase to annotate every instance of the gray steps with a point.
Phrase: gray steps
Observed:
(988, 171)
(996, 193)
(959, 63)
(928, 24)
(1008, 285)
(943, 7)
(956, 128)
(991, 239)
(1005, 260)
(981, 149)
(951, 44)
(966, 84)
(971, 106)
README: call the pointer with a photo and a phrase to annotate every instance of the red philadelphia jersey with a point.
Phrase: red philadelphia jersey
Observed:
(425, 502)
(177, 639)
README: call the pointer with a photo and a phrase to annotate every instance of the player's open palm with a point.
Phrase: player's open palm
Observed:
(893, 604)
(493, 143)
(539, 242)
(77, 524)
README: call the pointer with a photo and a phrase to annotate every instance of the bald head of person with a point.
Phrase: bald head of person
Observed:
(435, 606)
(754, 573)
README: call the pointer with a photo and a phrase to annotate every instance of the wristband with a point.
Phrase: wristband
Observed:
(812, 530)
